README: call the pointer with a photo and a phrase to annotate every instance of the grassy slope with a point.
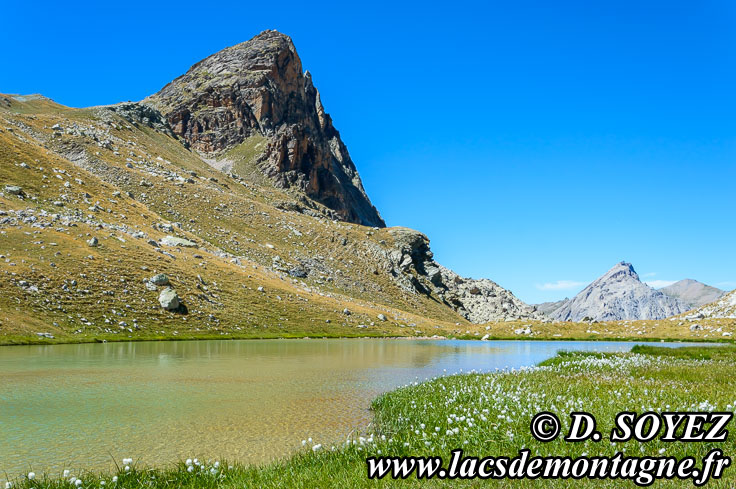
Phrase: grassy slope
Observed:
(497, 409)
(222, 215)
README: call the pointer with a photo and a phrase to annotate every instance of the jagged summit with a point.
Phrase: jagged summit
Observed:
(619, 294)
(251, 107)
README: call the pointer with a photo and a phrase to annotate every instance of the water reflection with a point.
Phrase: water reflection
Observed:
(80, 406)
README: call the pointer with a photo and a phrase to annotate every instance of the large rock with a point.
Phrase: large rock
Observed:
(160, 279)
(617, 295)
(174, 241)
(169, 299)
(257, 90)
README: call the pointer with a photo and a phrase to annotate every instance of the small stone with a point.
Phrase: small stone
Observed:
(14, 190)
(93, 242)
(381, 317)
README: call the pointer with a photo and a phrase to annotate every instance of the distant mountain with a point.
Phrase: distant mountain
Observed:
(693, 293)
(548, 308)
(619, 294)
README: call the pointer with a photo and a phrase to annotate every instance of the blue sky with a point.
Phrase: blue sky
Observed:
(535, 143)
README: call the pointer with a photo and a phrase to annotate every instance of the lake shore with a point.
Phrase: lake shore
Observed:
(484, 414)
(710, 330)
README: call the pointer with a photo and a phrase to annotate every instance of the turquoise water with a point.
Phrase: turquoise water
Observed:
(85, 406)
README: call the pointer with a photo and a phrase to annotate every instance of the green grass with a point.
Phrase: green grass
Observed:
(491, 415)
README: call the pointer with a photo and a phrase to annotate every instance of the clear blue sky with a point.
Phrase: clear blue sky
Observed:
(535, 143)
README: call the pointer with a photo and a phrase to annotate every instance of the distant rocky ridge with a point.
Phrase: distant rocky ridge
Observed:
(255, 98)
(618, 295)
(693, 293)
(548, 308)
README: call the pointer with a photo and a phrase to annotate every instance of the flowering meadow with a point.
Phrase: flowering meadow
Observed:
(483, 414)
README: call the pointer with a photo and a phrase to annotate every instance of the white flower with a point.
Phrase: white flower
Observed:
(102, 483)
(78, 482)
(66, 474)
(31, 476)
(114, 478)
(189, 461)
(213, 471)
(190, 468)
(127, 468)
(316, 447)
(8, 485)
(196, 461)
(127, 461)
(217, 465)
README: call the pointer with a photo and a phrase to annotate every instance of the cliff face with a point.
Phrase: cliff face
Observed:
(412, 266)
(257, 89)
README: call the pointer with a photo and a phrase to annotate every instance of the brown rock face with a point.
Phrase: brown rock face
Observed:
(258, 88)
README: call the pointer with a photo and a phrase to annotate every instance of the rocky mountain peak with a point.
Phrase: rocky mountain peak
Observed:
(621, 271)
(619, 294)
(256, 90)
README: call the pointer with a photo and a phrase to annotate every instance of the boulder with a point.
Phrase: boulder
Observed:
(179, 242)
(169, 299)
(160, 279)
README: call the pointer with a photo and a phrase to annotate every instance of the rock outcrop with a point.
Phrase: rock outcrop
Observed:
(257, 90)
(411, 263)
(140, 113)
(693, 293)
(617, 295)
(725, 307)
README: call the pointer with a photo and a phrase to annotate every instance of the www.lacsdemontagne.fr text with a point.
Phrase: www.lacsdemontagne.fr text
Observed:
(643, 471)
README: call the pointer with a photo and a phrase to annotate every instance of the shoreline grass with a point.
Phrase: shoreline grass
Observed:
(562, 335)
(484, 414)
